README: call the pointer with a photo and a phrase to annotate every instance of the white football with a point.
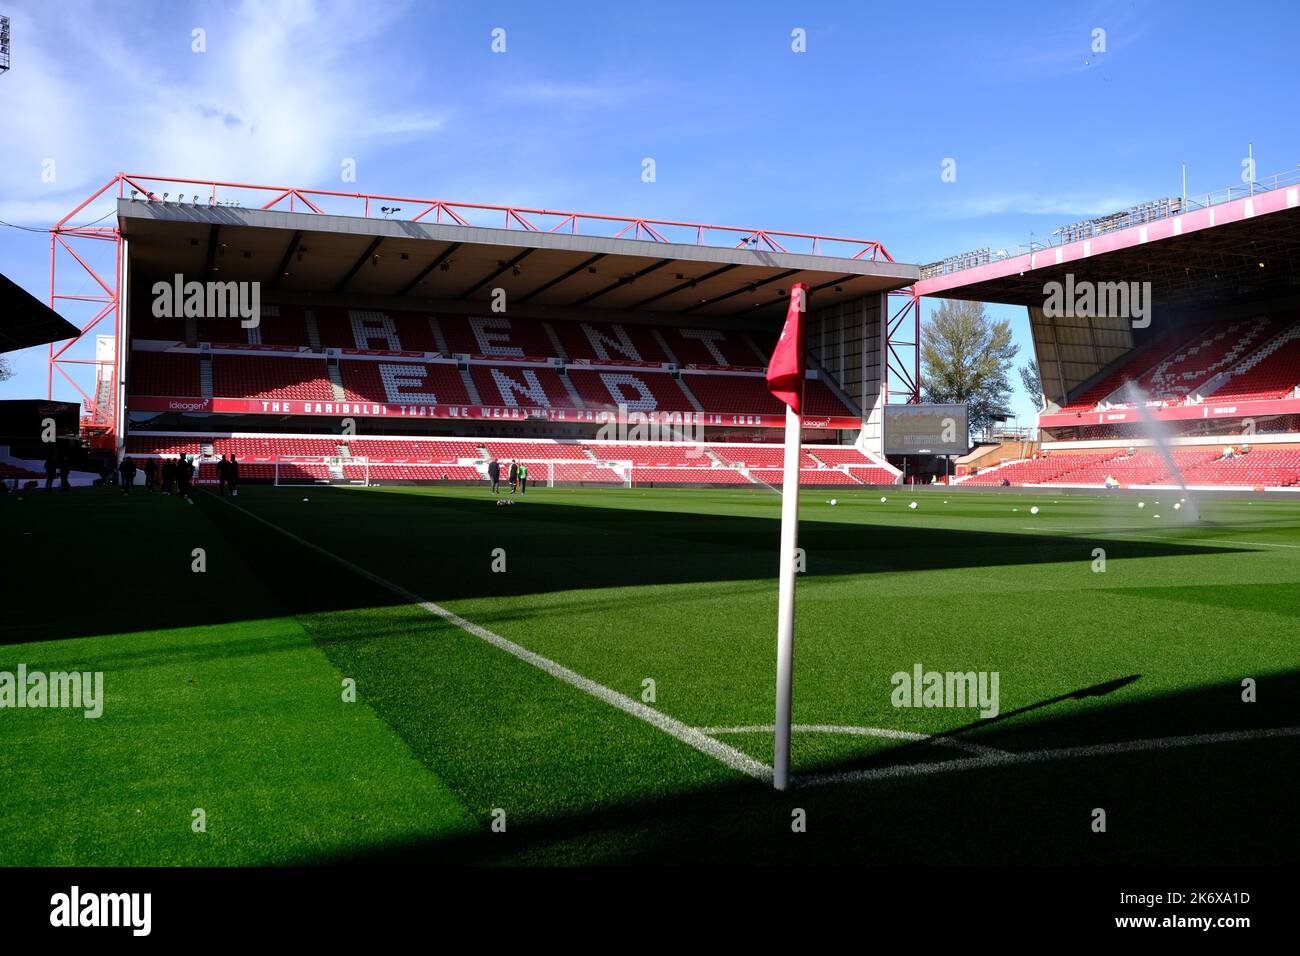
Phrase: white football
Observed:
(883, 500)
(1177, 505)
(912, 506)
(306, 499)
(1142, 504)
(1034, 510)
(834, 502)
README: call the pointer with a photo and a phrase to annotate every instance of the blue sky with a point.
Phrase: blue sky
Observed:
(847, 138)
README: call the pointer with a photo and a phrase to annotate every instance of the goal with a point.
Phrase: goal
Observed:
(295, 470)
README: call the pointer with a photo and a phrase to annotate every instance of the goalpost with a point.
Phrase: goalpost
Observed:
(297, 470)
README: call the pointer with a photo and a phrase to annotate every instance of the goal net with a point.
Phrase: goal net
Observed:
(295, 470)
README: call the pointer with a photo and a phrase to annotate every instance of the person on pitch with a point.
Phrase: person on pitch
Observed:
(127, 471)
(514, 476)
(232, 475)
(494, 475)
(184, 472)
(523, 478)
(150, 473)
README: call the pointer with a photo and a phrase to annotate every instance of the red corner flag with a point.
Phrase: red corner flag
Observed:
(785, 372)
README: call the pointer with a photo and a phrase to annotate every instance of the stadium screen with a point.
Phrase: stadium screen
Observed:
(926, 430)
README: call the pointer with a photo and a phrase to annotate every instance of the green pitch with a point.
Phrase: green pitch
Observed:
(504, 735)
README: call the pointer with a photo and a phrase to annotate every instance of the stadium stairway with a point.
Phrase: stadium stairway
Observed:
(470, 387)
(336, 381)
(205, 376)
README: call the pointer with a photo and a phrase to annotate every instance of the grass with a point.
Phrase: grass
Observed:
(223, 687)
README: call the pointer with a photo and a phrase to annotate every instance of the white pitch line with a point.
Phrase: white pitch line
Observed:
(1043, 756)
(953, 742)
(716, 749)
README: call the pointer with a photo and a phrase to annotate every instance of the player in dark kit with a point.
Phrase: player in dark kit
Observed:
(494, 475)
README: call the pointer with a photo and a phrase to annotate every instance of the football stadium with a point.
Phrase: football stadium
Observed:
(367, 527)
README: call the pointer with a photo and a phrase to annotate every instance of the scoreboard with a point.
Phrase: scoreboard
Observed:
(926, 430)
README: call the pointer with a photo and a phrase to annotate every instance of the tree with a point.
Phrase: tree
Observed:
(966, 360)
(1033, 383)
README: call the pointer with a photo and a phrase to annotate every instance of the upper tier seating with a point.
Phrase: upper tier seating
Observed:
(267, 377)
(621, 342)
(1205, 354)
(624, 356)
(163, 373)
(495, 335)
(748, 394)
(711, 347)
(516, 386)
(403, 383)
(1274, 375)
(640, 390)
(1260, 354)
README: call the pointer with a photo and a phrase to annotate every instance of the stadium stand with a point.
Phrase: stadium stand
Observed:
(163, 373)
(1259, 358)
(1271, 372)
(269, 377)
(606, 364)
(1260, 467)
(1204, 354)
(520, 385)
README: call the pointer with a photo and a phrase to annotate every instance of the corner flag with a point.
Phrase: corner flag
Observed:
(785, 378)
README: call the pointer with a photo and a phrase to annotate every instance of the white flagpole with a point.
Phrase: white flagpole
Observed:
(785, 601)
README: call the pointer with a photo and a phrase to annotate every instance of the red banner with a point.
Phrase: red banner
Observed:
(1177, 413)
(257, 406)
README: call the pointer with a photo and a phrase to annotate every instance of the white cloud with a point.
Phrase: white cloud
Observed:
(285, 92)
